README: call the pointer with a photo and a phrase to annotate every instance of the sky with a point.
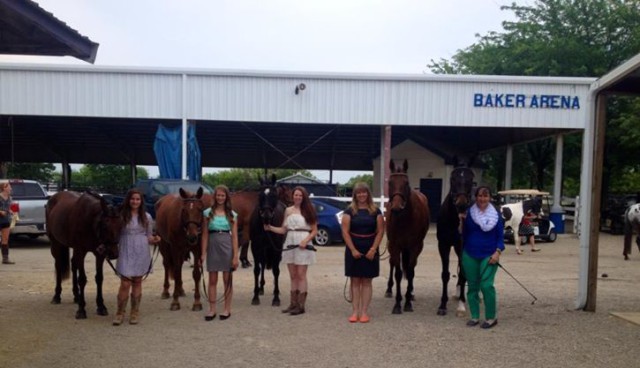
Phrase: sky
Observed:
(368, 36)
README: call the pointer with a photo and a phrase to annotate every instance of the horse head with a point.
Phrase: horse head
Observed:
(268, 200)
(399, 189)
(191, 214)
(285, 195)
(108, 228)
(461, 183)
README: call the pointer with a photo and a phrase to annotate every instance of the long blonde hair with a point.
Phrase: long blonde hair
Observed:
(358, 188)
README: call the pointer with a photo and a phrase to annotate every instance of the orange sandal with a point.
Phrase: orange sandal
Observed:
(364, 319)
(353, 318)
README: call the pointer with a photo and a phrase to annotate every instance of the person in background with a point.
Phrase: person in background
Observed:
(5, 220)
(526, 230)
(300, 226)
(362, 231)
(220, 249)
(134, 258)
(483, 238)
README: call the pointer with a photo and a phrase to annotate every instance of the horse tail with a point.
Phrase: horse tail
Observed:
(63, 262)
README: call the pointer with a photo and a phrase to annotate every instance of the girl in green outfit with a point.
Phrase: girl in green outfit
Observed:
(483, 238)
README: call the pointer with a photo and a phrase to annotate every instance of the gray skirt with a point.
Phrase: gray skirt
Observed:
(219, 252)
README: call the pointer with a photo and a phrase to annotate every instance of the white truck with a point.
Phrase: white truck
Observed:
(28, 201)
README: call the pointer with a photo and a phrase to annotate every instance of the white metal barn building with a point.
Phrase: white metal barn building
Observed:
(89, 114)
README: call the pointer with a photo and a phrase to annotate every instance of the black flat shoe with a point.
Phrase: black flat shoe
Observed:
(223, 317)
(472, 322)
(210, 318)
(487, 325)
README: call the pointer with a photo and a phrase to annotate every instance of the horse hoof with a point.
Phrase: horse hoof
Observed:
(442, 312)
(196, 307)
(255, 302)
(460, 314)
(55, 300)
(245, 263)
(626, 258)
(388, 294)
(396, 310)
(165, 295)
(408, 308)
(174, 307)
(275, 303)
(81, 315)
(102, 311)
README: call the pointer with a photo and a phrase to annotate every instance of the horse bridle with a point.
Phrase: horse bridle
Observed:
(399, 193)
(185, 225)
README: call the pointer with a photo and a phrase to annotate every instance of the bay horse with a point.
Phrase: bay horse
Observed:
(631, 225)
(407, 226)
(179, 223)
(266, 246)
(86, 223)
(244, 203)
(457, 201)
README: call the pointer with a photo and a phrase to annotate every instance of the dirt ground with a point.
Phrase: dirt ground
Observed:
(551, 333)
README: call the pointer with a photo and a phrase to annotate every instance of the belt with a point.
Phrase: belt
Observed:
(219, 231)
(363, 235)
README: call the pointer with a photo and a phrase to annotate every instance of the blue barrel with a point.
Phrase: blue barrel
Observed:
(558, 220)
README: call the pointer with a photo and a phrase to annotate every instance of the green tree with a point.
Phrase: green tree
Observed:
(565, 38)
(42, 172)
(105, 178)
(367, 178)
(246, 179)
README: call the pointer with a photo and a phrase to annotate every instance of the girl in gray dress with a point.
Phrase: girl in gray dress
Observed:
(220, 248)
(134, 259)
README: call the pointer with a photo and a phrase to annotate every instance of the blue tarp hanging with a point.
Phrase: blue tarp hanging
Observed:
(168, 150)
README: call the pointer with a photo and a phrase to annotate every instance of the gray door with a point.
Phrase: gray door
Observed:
(432, 188)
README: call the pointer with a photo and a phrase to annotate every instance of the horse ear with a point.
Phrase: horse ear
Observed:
(273, 179)
(199, 193)
(104, 204)
(405, 165)
(183, 194)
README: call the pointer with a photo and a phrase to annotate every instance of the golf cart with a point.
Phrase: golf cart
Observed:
(543, 228)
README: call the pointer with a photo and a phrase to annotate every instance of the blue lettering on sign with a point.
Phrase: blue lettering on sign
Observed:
(517, 100)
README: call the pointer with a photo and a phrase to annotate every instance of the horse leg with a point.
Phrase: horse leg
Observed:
(408, 298)
(461, 310)
(262, 282)
(60, 255)
(396, 306)
(74, 282)
(101, 308)
(78, 262)
(276, 288)
(389, 293)
(445, 250)
(178, 291)
(197, 304)
(167, 275)
(256, 289)
(244, 253)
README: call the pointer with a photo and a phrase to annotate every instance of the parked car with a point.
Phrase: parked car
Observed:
(543, 228)
(329, 213)
(28, 201)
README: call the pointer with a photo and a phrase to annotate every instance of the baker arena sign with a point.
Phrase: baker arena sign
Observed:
(514, 100)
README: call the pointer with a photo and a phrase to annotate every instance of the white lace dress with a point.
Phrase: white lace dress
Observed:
(297, 230)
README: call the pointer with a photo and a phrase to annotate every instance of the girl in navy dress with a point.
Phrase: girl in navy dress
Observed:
(362, 231)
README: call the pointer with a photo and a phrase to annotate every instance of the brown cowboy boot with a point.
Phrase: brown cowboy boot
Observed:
(299, 309)
(122, 306)
(135, 309)
(294, 301)
(5, 255)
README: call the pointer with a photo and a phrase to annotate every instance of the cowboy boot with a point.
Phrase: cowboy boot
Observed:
(5, 255)
(135, 309)
(299, 309)
(294, 301)
(122, 306)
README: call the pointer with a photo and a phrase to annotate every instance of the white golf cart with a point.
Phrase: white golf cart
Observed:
(543, 228)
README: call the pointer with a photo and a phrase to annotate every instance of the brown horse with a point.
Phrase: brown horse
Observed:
(244, 204)
(179, 224)
(86, 223)
(407, 225)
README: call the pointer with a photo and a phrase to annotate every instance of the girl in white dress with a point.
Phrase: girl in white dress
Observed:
(300, 226)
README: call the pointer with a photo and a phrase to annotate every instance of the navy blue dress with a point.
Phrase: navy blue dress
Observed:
(363, 233)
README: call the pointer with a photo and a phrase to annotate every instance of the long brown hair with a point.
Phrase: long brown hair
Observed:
(126, 208)
(358, 188)
(228, 211)
(306, 207)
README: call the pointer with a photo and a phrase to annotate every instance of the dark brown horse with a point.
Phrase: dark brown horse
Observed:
(86, 223)
(456, 202)
(244, 203)
(407, 225)
(179, 224)
(266, 246)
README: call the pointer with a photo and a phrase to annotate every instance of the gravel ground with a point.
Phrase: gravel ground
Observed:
(35, 333)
